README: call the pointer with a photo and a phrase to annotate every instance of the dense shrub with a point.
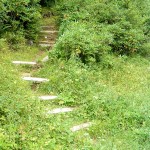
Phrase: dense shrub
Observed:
(20, 15)
(80, 40)
(126, 23)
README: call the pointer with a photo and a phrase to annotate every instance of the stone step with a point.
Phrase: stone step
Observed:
(47, 42)
(46, 45)
(45, 59)
(60, 110)
(35, 79)
(49, 31)
(48, 34)
(23, 63)
(81, 126)
(48, 27)
(47, 97)
(48, 37)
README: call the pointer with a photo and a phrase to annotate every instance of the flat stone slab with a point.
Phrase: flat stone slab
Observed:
(46, 31)
(48, 37)
(46, 97)
(46, 45)
(48, 27)
(34, 79)
(45, 59)
(59, 110)
(81, 126)
(47, 42)
(24, 63)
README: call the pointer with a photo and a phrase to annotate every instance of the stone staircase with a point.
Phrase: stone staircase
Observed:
(48, 36)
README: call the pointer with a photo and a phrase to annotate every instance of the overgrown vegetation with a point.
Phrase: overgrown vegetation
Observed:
(90, 29)
(112, 92)
(20, 16)
(21, 115)
(115, 100)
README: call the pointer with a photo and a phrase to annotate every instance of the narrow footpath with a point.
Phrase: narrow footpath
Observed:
(47, 38)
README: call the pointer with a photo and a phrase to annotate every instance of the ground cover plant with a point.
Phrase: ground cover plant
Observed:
(118, 109)
(20, 111)
(116, 100)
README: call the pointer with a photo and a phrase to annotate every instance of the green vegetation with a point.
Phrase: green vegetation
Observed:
(92, 29)
(20, 111)
(106, 79)
(116, 100)
(20, 16)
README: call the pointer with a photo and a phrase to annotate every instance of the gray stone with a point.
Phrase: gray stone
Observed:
(24, 63)
(46, 45)
(46, 31)
(35, 79)
(47, 97)
(81, 126)
(59, 110)
(45, 59)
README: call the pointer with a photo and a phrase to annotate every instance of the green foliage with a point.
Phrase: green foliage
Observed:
(21, 16)
(118, 109)
(3, 45)
(21, 119)
(79, 40)
(16, 40)
(107, 26)
(115, 100)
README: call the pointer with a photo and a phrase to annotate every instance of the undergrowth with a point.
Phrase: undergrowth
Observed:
(116, 100)
(21, 117)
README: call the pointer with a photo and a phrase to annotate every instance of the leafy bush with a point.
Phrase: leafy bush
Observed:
(16, 41)
(20, 15)
(79, 40)
(97, 28)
